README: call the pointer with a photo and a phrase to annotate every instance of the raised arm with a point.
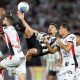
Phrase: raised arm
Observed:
(28, 31)
(67, 47)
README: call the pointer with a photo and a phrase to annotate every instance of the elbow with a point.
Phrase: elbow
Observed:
(51, 51)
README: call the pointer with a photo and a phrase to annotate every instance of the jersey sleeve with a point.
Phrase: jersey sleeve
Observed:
(53, 43)
(71, 38)
(40, 36)
(19, 27)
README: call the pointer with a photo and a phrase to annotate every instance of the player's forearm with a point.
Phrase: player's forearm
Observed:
(67, 48)
(25, 24)
(51, 49)
(28, 28)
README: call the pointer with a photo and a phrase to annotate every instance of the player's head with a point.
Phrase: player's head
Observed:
(77, 34)
(8, 20)
(51, 75)
(2, 11)
(53, 28)
(64, 28)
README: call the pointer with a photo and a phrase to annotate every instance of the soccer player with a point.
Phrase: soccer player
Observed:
(34, 38)
(52, 60)
(77, 74)
(16, 60)
(67, 42)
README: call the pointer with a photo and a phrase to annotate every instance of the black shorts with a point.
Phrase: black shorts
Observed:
(34, 43)
(40, 49)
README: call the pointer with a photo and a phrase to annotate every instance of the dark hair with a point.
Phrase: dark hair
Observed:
(77, 33)
(53, 73)
(10, 18)
(65, 25)
(2, 6)
(56, 26)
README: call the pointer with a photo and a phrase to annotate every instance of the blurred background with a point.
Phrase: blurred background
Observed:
(39, 16)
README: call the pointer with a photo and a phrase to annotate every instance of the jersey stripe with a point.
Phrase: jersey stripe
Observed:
(10, 47)
(74, 57)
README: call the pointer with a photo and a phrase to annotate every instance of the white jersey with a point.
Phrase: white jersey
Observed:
(78, 54)
(68, 56)
(12, 35)
(51, 60)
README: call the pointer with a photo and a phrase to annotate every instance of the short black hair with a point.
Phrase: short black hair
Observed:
(10, 18)
(54, 25)
(65, 25)
(77, 33)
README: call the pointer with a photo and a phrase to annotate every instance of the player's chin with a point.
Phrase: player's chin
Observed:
(50, 33)
(4, 23)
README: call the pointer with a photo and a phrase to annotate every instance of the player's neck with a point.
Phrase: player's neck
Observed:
(52, 35)
(8, 25)
(65, 34)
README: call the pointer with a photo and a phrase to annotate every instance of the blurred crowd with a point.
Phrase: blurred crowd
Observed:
(42, 12)
(45, 11)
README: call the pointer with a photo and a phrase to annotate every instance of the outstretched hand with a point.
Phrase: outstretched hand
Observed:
(20, 15)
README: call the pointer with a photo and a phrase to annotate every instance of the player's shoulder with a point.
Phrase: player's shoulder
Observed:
(53, 37)
(12, 29)
(4, 28)
(71, 36)
(40, 34)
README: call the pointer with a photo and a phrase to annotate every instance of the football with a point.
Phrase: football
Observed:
(23, 7)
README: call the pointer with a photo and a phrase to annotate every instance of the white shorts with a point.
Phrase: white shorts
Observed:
(66, 73)
(16, 63)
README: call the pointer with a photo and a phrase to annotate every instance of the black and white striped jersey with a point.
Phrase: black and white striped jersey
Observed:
(40, 37)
